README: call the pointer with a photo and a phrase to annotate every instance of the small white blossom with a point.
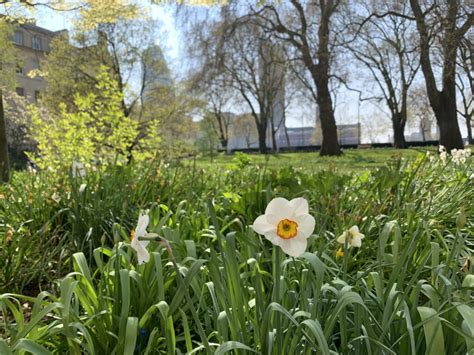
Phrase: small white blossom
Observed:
(55, 197)
(140, 245)
(352, 236)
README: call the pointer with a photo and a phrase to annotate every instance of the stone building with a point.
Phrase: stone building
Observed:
(32, 43)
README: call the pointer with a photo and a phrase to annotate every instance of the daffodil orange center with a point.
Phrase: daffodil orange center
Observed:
(287, 229)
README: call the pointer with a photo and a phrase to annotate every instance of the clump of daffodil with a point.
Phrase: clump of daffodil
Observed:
(443, 154)
(353, 237)
(460, 156)
(286, 224)
(140, 245)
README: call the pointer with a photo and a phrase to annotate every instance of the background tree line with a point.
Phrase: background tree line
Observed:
(242, 54)
(328, 44)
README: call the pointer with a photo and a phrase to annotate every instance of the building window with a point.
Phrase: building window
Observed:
(18, 37)
(35, 63)
(19, 69)
(20, 91)
(37, 95)
(36, 42)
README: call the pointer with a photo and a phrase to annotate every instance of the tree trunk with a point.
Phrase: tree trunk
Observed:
(398, 133)
(442, 102)
(288, 143)
(4, 163)
(330, 144)
(222, 131)
(469, 129)
(274, 142)
(447, 118)
(223, 143)
(262, 138)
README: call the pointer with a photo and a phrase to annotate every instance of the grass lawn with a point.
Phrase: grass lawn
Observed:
(352, 160)
(311, 255)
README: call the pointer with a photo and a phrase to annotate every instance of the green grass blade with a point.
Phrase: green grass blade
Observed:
(433, 330)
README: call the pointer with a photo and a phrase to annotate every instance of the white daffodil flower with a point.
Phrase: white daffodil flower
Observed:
(140, 245)
(286, 224)
(352, 236)
(443, 154)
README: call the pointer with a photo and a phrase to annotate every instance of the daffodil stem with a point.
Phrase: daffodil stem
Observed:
(276, 290)
(276, 273)
(345, 261)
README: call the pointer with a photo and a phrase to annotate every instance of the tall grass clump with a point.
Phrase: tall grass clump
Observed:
(214, 286)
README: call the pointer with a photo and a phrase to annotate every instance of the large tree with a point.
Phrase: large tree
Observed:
(253, 61)
(386, 47)
(249, 60)
(445, 22)
(307, 27)
(214, 86)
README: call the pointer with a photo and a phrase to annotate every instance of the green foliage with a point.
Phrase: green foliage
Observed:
(69, 71)
(242, 160)
(97, 131)
(8, 59)
(214, 286)
(208, 143)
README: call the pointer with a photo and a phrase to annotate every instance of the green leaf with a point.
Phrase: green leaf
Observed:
(433, 330)
(232, 345)
(32, 347)
(131, 336)
(4, 348)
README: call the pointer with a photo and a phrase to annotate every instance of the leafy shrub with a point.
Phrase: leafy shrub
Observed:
(242, 160)
(97, 130)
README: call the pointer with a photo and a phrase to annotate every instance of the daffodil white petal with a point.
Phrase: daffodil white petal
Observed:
(295, 246)
(279, 207)
(356, 241)
(273, 220)
(261, 225)
(306, 224)
(342, 238)
(354, 230)
(142, 252)
(273, 237)
(299, 206)
(141, 225)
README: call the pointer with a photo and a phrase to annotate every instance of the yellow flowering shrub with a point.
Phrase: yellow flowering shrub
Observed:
(96, 132)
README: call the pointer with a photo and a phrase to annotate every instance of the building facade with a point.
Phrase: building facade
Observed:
(32, 43)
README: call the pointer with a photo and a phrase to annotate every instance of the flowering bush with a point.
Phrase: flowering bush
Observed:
(96, 131)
